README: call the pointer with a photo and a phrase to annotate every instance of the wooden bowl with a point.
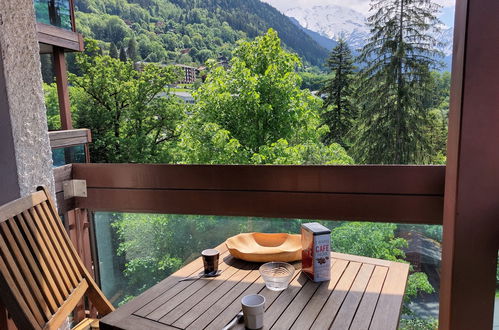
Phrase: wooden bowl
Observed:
(261, 247)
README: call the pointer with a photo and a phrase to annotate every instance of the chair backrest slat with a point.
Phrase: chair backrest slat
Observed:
(12, 209)
(72, 268)
(59, 249)
(18, 277)
(34, 267)
(44, 254)
(49, 249)
(40, 271)
(55, 285)
(22, 263)
(24, 317)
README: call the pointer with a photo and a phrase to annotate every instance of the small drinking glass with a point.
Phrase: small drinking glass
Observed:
(277, 275)
(210, 260)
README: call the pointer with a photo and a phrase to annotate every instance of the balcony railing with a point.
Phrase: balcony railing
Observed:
(405, 194)
(70, 146)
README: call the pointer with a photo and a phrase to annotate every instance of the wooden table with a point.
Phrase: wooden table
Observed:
(363, 293)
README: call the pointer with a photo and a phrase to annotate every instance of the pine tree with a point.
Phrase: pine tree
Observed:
(113, 51)
(132, 50)
(395, 82)
(123, 56)
(339, 112)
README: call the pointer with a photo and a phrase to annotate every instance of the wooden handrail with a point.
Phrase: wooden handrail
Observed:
(401, 194)
(55, 36)
(68, 138)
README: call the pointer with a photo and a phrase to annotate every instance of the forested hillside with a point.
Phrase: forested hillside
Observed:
(188, 31)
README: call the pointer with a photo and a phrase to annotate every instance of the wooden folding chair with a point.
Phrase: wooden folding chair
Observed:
(42, 278)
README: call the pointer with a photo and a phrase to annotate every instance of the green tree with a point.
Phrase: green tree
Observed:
(132, 50)
(437, 130)
(113, 51)
(395, 82)
(339, 112)
(312, 80)
(123, 57)
(255, 112)
(130, 113)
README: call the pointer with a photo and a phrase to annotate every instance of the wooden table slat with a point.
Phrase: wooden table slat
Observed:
(288, 317)
(349, 306)
(235, 307)
(137, 322)
(188, 311)
(389, 303)
(361, 259)
(274, 310)
(196, 286)
(172, 290)
(129, 308)
(363, 293)
(223, 304)
(333, 304)
(365, 312)
(314, 306)
(277, 298)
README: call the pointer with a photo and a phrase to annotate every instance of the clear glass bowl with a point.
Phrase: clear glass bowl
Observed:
(277, 275)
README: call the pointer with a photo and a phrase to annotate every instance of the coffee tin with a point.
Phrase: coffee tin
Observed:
(316, 251)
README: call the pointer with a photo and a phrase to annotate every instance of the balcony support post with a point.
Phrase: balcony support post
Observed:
(471, 207)
(61, 78)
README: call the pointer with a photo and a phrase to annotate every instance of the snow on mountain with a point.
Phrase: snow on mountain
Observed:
(333, 22)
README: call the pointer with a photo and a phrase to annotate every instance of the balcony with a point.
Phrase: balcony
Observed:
(146, 221)
(212, 202)
(55, 25)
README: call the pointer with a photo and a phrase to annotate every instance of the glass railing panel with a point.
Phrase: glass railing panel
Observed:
(54, 12)
(68, 155)
(136, 251)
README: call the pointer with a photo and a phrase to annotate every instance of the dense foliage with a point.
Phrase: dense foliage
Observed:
(130, 113)
(188, 31)
(255, 112)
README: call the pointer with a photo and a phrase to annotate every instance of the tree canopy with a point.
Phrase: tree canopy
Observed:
(255, 112)
(130, 113)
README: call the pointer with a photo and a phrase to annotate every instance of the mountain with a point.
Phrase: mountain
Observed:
(325, 42)
(190, 31)
(333, 22)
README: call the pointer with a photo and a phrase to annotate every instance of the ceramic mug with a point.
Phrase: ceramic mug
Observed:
(253, 310)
